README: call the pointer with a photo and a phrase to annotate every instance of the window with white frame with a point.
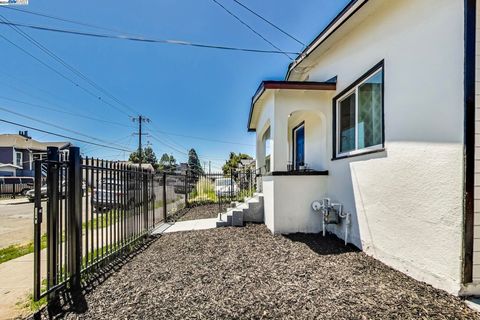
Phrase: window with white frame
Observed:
(359, 116)
(19, 159)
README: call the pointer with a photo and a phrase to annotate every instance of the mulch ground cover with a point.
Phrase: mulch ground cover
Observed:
(198, 212)
(243, 273)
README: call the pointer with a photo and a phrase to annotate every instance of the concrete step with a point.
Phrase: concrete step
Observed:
(251, 210)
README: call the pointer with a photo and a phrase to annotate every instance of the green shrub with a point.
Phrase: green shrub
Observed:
(204, 190)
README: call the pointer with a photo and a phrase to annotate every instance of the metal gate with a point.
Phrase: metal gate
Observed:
(95, 211)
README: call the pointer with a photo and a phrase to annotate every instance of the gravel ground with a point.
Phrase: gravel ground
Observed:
(200, 212)
(246, 272)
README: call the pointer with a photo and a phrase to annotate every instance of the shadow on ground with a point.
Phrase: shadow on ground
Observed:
(75, 302)
(328, 245)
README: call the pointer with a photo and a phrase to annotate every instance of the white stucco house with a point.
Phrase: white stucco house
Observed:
(378, 114)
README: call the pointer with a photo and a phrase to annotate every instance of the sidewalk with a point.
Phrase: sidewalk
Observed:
(17, 283)
(22, 200)
(189, 225)
(16, 278)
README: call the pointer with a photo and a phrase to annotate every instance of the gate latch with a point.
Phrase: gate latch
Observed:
(38, 215)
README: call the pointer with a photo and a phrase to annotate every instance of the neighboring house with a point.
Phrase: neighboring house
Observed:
(145, 166)
(246, 164)
(181, 168)
(18, 151)
(378, 114)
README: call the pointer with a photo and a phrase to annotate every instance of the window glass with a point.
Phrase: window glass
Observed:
(347, 124)
(360, 116)
(370, 112)
(19, 159)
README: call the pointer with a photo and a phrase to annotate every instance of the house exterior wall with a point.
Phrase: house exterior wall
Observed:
(296, 216)
(269, 204)
(6, 155)
(406, 202)
(265, 121)
(476, 219)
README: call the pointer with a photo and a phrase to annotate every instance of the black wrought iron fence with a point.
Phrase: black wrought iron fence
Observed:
(96, 211)
(219, 188)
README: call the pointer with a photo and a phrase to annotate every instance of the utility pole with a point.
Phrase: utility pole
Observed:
(141, 119)
(209, 167)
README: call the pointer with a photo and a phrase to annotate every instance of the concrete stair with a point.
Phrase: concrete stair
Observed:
(249, 211)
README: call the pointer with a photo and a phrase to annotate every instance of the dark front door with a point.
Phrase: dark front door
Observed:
(299, 146)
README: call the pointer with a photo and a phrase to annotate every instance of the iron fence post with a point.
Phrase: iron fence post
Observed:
(231, 185)
(145, 201)
(186, 188)
(164, 196)
(52, 218)
(37, 220)
(75, 216)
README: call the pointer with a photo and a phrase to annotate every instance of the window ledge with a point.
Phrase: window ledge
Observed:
(299, 173)
(359, 154)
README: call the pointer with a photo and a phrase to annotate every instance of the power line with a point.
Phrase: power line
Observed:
(53, 125)
(147, 39)
(204, 139)
(61, 19)
(269, 22)
(64, 112)
(155, 128)
(65, 64)
(59, 73)
(63, 136)
(141, 119)
(94, 148)
(251, 29)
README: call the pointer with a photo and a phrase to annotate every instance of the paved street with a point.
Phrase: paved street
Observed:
(16, 223)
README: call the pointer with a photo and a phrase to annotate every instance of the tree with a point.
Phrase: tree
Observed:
(167, 163)
(148, 156)
(194, 165)
(233, 161)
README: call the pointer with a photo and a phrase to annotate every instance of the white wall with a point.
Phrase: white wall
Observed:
(297, 216)
(268, 204)
(311, 106)
(406, 201)
(476, 219)
(265, 121)
(315, 144)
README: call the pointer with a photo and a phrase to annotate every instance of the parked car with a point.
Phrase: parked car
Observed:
(44, 192)
(226, 187)
(31, 193)
(110, 194)
(15, 185)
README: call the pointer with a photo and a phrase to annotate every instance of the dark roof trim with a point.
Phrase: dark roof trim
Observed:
(344, 15)
(286, 85)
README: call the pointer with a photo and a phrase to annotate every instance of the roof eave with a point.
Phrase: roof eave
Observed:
(285, 85)
(350, 9)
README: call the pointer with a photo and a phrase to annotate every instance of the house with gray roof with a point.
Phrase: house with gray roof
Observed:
(18, 151)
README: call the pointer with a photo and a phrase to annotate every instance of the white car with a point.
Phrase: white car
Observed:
(223, 187)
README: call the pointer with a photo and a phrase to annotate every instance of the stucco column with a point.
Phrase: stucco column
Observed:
(280, 138)
(260, 150)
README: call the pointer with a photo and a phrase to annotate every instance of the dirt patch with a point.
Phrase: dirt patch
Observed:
(198, 212)
(246, 272)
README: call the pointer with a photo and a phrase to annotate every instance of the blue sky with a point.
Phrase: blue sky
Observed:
(183, 90)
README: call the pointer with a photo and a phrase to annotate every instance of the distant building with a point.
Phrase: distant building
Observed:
(18, 151)
(145, 166)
